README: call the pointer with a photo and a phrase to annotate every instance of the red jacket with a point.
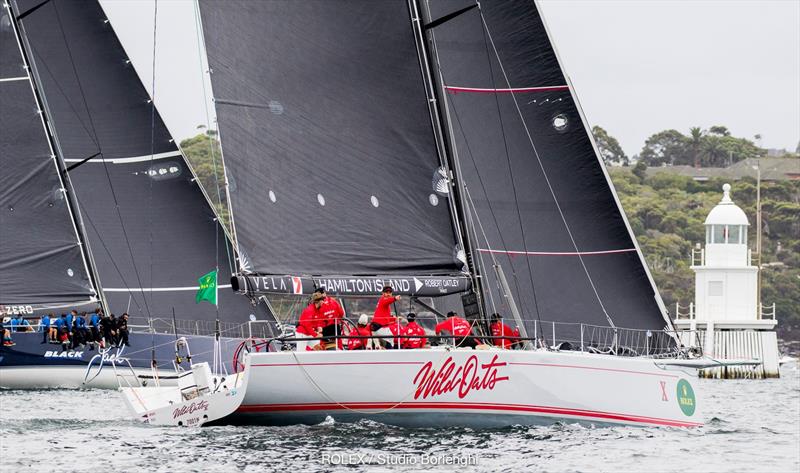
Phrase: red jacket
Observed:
(331, 310)
(499, 329)
(455, 325)
(310, 320)
(413, 329)
(358, 343)
(383, 312)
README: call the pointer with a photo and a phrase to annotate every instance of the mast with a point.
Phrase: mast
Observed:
(446, 154)
(52, 141)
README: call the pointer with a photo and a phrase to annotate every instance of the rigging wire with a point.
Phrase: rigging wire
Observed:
(211, 147)
(100, 149)
(152, 158)
(510, 172)
(544, 174)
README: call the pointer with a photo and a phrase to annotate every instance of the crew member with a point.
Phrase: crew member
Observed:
(310, 323)
(44, 327)
(333, 313)
(362, 330)
(122, 327)
(7, 342)
(94, 326)
(414, 334)
(63, 331)
(499, 329)
(459, 328)
(383, 311)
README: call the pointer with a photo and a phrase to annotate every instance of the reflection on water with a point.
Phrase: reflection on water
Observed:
(751, 426)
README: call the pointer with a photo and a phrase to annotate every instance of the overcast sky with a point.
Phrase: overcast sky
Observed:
(638, 66)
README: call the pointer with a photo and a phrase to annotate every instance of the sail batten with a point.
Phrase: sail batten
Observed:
(327, 139)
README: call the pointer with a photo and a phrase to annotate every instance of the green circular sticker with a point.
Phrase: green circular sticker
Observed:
(686, 399)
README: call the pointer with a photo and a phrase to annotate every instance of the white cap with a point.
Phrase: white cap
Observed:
(363, 320)
(726, 212)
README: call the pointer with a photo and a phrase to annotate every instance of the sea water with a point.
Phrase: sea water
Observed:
(751, 426)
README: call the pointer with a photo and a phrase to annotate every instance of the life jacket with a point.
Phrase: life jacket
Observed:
(358, 343)
(414, 330)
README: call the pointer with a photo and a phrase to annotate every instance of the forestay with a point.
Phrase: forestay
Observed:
(40, 252)
(151, 231)
(327, 139)
(545, 209)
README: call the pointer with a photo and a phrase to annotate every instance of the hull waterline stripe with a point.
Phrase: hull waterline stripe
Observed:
(418, 363)
(134, 159)
(517, 90)
(596, 415)
(557, 253)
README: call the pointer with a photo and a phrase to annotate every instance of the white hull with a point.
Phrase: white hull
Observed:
(168, 406)
(72, 377)
(440, 387)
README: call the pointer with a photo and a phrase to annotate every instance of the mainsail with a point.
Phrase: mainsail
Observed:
(542, 206)
(41, 262)
(328, 144)
(151, 231)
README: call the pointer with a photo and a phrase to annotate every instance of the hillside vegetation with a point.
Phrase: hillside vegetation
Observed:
(666, 211)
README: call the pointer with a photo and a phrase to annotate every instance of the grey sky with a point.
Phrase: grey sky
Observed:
(638, 66)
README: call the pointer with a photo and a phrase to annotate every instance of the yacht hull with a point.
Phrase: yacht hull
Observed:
(464, 387)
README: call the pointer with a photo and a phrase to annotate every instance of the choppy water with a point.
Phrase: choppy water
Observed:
(751, 426)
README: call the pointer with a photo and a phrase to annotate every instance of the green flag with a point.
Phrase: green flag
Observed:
(208, 288)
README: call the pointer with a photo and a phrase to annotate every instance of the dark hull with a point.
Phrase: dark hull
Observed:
(31, 364)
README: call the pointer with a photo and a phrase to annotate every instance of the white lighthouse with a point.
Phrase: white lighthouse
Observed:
(727, 318)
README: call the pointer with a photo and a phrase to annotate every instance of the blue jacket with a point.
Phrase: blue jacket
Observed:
(44, 324)
(80, 322)
(94, 321)
(14, 324)
(69, 321)
(61, 323)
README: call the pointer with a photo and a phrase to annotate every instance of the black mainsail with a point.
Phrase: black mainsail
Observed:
(41, 262)
(152, 233)
(328, 147)
(543, 208)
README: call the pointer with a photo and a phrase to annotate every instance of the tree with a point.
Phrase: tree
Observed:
(665, 147)
(719, 130)
(640, 170)
(609, 147)
(695, 143)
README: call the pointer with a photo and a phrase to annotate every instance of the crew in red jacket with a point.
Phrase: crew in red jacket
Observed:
(383, 311)
(311, 322)
(414, 332)
(458, 327)
(361, 330)
(499, 329)
(331, 308)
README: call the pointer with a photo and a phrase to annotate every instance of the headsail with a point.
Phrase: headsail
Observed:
(545, 209)
(40, 252)
(327, 139)
(152, 232)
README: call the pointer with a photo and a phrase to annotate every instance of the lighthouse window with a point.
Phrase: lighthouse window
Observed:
(719, 233)
(733, 234)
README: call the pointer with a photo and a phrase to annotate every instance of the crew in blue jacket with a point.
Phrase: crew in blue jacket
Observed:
(94, 325)
(44, 327)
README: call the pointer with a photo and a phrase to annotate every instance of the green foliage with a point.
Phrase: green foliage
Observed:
(609, 147)
(667, 211)
(205, 156)
(713, 148)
